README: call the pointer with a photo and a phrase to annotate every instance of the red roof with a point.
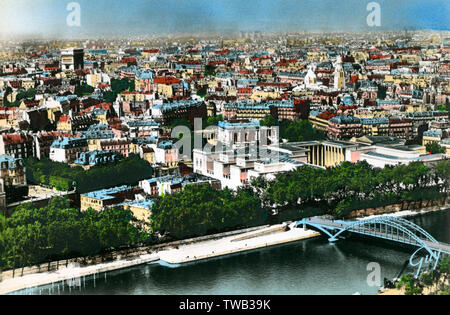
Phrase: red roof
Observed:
(353, 79)
(102, 86)
(20, 71)
(217, 62)
(379, 56)
(128, 60)
(103, 105)
(222, 52)
(298, 101)
(54, 135)
(264, 71)
(166, 80)
(64, 118)
(245, 90)
(190, 62)
(326, 115)
(31, 103)
(81, 72)
(15, 84)
(347, 107)
(9, 139)
(261, 58)
(278, 84)
(51, 68)
(285, 62)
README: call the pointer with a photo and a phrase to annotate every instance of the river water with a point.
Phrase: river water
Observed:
(305, 267)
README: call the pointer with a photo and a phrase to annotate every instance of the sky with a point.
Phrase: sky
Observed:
(47, 18)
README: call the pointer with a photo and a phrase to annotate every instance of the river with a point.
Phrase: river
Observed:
(311, 266)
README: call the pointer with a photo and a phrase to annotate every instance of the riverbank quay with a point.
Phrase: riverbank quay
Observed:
(171, 253)
(271, 236)
(407, 213)
(70, 273)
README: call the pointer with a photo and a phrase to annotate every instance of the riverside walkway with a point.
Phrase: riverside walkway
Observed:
(171, 255)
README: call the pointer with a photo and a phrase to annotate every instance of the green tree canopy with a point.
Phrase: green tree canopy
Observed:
(199, 210)
(57, 231)
(434, 148)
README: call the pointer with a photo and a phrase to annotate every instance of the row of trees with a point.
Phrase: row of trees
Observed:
(299, 130)
(347, 187)
(200, 210)
(56, 231)
(63, 177)
(307, 191)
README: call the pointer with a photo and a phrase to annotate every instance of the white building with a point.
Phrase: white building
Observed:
(165, 153)
(97, 78)
(173, 183)
(72, 59)
(390, 156)
(237, 167)
(237, 134)
(67, 150)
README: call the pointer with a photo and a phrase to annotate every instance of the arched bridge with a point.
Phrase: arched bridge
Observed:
(386, 227)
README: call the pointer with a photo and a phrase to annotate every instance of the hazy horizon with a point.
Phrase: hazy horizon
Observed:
(113, 18)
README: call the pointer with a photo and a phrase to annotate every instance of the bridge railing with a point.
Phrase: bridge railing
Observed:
(390, 228)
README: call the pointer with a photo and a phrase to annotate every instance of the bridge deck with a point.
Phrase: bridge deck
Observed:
(338, 225)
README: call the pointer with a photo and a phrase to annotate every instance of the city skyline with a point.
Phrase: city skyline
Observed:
(48, 18)
(194, 147)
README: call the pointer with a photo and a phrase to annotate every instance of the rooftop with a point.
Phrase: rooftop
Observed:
(65, 143)
(11, 161)
(108, 193)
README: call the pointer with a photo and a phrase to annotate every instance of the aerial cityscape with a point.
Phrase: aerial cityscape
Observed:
(224, 148)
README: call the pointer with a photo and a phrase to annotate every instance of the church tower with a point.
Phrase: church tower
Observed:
(339, 75)
(310, 78)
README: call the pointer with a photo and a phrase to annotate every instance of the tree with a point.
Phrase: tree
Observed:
(118, 86)
(61, 176)
(202, 91)
(210, 70)
(434, 148)
(269, 121)
(411, 285)
(56, 231)
(28, 94)
(200, 210)
(212, 120)
(300, 130)
(444, 266)
(85, 89)
(442, 171)
(109, 96)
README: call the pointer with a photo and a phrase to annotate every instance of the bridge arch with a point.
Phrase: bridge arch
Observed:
(388, 221)
(386, 227)
(415, 227)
